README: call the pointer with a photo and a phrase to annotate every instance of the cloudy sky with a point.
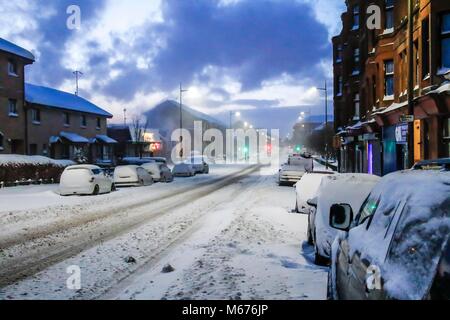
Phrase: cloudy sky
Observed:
(261, 57)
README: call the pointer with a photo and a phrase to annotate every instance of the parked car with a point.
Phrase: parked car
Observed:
(397, 245)
(132, 176)
(352, 188)
(160, 172)
(294, 169)
(437, 165)
(85, 180)
(199, 165)
(307, 188)
(183, 170)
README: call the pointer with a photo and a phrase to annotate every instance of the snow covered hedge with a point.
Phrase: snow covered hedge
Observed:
(17, 169)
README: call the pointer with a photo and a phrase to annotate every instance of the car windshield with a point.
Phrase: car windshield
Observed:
(416, 249)
(96, 171)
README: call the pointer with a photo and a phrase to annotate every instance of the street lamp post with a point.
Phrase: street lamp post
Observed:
(325, 89)
(181, 119)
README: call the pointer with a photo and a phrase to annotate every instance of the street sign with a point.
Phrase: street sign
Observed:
(406, 118)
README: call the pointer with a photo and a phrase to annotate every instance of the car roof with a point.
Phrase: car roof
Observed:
(84, 166)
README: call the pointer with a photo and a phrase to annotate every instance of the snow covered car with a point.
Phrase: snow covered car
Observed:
(132, 176)
(397, 245)
(352, 188)
(437, 165)
(183, 170)
(85, 180)
(159, 171)
(199, 165)
(306, 189)
(293, 171)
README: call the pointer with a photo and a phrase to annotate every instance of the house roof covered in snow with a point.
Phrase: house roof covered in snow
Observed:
(61, 100)
(15, 49)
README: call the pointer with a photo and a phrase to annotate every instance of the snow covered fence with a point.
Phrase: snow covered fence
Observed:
(18, 169)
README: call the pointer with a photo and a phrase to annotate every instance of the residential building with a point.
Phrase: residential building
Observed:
(13, 60)
(62, 125)
(370, 85)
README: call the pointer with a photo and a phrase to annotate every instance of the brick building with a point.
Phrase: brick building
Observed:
(13, 60)
(371, 77)
(36, 120)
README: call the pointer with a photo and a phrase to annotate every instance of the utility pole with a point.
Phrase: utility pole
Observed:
(411, 81)
(325, 89)
(181, 119)
(77, 74)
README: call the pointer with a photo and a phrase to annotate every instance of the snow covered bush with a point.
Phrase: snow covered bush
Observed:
(17, 169)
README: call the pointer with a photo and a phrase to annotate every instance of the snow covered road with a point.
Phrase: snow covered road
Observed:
(230, 235)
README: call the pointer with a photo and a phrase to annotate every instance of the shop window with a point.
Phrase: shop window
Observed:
(446, 137)
(2, 140)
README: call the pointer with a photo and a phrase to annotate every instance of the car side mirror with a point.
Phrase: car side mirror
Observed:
(341, 217)
(312, 202)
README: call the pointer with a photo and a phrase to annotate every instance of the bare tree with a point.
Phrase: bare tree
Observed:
(139, 128)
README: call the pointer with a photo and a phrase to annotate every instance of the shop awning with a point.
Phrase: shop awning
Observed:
(104, 139)
(73, 137)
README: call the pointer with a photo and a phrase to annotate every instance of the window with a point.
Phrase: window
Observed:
(369, 208)
(356, 106)
(340, 86)
(445, 137)
(12, 107)
(339, 54)
(83, 121)
(355, 18)
(33, 149)
(99, 123)
(445, 42)
(426, 48)
(389, 78)
(66, 118)
(12, 67)
(36, 116)
(44, 149)
(403, 71)
(2, 137)
(417, 64)
(389, 15)
(356, 61)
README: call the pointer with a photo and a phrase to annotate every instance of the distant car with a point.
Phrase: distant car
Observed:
(132, 176)
(352, 188)
(183, 170)
(85, 180)
(159, 171)
(199, 165)
(397, 245)
(293, 171)
(436, 165)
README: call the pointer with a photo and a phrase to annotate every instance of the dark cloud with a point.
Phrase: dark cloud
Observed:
(48, 69)
(252, 40)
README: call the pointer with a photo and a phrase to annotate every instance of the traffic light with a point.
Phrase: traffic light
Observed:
(298, 148)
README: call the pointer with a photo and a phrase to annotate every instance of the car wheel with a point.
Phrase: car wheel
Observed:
(96, 190)
(320, 260)
(113, 188)
(310, 238)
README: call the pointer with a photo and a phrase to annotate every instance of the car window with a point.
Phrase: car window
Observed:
(96, 171)
(368, 209)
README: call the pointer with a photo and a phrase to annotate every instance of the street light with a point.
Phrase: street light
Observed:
(236, 114)
(325, 89)
(181, 118)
